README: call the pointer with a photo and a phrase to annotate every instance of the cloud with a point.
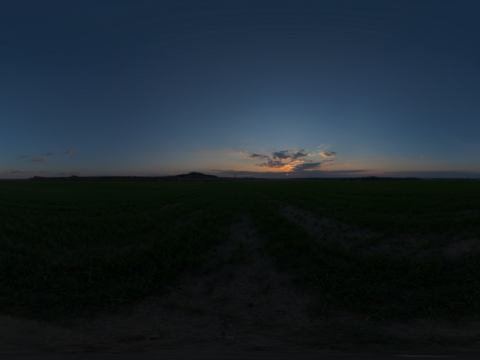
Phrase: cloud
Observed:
(328, 153)
(257, 156)
(291, 159)
(71, 151)
(272, 164)
(44, 172)
(306, 166)
(278, 175)
(36, 159)
(284, 155)
(278, 155)
(243, 152)
(422, 155)
(23, 156)
(346, 171)
(50, 153)
(15, 172)
(299, 155)
(300, 160)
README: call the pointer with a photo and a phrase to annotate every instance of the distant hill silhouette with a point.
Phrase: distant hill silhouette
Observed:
(196, 175)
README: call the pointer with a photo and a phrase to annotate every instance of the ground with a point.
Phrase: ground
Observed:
(245, 308)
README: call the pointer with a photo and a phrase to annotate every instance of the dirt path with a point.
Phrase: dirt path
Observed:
(245, 310)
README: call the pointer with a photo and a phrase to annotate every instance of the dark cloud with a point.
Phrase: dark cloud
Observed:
(14, 172)
(272, 164)
(44, 172)
(299, 155)
(306, 166)
(50, 153)
(23, 156)
(281, 155)
(278, 175)
(296, 159)
(284, 155)
(328, 154)
(258, 156)
(70, 173)
(71, 152)
(301, 160)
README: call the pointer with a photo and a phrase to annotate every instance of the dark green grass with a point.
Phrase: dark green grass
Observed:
(72, 249)
(371, 285)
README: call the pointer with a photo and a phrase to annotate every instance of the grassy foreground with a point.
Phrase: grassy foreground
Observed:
(72, 249)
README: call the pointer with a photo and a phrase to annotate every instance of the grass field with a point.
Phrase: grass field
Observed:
(388, 250)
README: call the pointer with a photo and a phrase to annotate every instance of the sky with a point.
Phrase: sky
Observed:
(263, 88)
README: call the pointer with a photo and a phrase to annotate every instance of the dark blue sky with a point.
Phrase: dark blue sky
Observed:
(257, 88)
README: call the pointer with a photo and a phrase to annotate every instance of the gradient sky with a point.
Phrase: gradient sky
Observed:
(249, 88)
